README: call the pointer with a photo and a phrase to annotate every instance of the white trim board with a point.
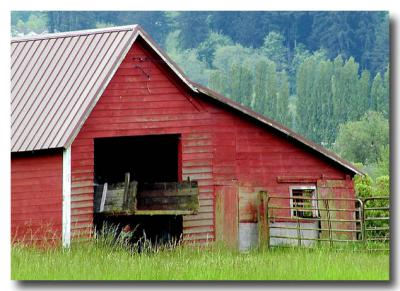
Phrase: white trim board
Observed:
(66, 204)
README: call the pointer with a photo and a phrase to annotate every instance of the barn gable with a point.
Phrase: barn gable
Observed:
(44, 115)
(136, 100)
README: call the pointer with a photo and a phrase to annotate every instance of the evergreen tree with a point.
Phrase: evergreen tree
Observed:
(217, 81)
(283, 99)
(340, 111)
(378, 94)
(260, 86)
(234, 84)
(300, 54)
(241, 84)
(380, 51)
(324, 117)
(364, 102)
(386, 86)
(350, 80)
(208, 47)
(275, 50)
(270, 106)
(305, 105)
(247, 86)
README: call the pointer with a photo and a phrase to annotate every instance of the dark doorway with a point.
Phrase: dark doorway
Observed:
(152, 158)
(148, 159)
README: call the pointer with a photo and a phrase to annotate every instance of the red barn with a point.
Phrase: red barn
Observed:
(89, 106)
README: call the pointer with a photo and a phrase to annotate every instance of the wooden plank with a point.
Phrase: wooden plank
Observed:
(148, 212)
(296, 179)
(103, 197)
(186, 185)
(227, 216)
(262, 219)
(126, 188)
(328, 189)
(170, 192)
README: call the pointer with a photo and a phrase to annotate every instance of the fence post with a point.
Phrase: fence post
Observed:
(262, 220)
(267, 235)
(362, 220)
(298, 232)
(328, 214)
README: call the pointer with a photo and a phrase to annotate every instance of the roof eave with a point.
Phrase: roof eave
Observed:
(330, 155)
(197, 88)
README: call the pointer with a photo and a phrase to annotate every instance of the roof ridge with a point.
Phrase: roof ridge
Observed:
(75, 33)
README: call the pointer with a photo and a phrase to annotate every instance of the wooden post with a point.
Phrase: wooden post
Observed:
(298, 231)
(329, 221)
(126, 191)
(103, 197)
(263, 236)
(133, 196)
(267, 233)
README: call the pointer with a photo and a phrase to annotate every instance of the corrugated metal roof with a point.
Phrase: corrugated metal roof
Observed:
(56, 80)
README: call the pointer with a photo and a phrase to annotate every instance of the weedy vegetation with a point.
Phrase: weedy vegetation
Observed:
(109, 258)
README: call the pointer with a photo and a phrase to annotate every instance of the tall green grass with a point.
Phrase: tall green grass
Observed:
(108, 259)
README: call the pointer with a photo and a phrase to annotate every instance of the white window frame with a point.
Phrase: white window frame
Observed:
(314, 203)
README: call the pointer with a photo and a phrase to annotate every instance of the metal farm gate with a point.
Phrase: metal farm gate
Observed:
(333, 222)
(377, 223)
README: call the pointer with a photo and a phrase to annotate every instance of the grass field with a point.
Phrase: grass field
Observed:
(104, 261)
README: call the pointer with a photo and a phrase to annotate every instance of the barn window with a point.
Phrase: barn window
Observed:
(303, 201)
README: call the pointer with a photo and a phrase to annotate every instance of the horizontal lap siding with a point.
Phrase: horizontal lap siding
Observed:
(36, 197)
(262, 155)
(219, 147)
(133, 105)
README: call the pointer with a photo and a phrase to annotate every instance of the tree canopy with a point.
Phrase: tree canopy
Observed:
(323, 74)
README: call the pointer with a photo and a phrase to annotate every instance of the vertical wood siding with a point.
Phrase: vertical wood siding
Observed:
(36, 200)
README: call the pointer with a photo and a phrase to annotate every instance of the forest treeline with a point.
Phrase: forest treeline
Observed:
(323, 74)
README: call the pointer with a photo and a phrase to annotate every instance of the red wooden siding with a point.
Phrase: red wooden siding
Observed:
(36, 201)
(218, 145)
(133, 105)
(262, 156)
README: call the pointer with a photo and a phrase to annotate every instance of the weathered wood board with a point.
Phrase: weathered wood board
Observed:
(332, 210)
(227, 215)
(115, 200)
(158, 197)
(168, 196)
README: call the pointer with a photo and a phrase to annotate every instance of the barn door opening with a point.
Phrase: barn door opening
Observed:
(152, 158)
(136, 163)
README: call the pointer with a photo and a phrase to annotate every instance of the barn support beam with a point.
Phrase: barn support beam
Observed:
(66, 192)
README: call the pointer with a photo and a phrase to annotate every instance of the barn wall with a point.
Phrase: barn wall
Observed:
(133, 105)
(267, 161)
(219, 147)
(36, 200)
